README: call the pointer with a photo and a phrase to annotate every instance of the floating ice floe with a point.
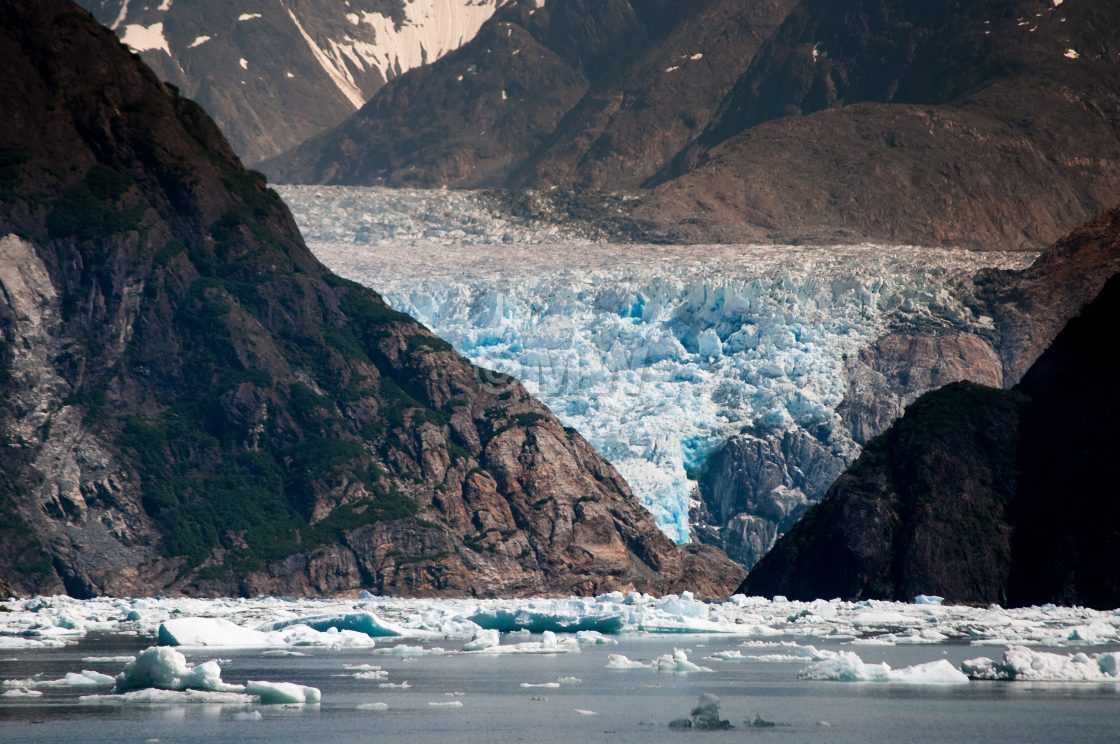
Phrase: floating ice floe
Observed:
(21, 692)
(283, 693)
(169, 697)
(221, 633)
(371, 675)
(619, 661)
(374, 706)
(165, 668)
(221, 623)
(846, 666)
(483, 639)
(365, 623)
(404, 650)
(161, 675)
(85, 678)
(677, 663)
(1027, 665)
(549, 643)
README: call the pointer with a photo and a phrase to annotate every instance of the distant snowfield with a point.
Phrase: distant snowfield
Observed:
(656, 354)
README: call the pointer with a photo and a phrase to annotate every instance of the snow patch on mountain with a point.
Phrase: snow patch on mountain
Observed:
(656, 354)
(145, 38)
(381, 37)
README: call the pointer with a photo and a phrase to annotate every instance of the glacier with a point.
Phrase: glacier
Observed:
(656, 354)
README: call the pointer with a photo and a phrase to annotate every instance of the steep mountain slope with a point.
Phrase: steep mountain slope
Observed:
(192, 403)
(979, 123)
(757, 486)
(977, 494)
(589, 92)
(273, 73)
(982, 123)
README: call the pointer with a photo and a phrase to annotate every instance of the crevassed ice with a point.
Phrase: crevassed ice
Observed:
(656, 354)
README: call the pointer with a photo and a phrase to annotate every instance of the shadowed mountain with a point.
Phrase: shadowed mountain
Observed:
(981, 495)
(192, 403)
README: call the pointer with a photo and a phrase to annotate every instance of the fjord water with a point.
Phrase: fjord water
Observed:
(628, 706)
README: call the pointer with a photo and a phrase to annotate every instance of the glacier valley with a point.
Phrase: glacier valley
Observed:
(658, 355)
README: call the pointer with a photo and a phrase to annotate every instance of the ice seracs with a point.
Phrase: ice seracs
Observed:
(657, 354)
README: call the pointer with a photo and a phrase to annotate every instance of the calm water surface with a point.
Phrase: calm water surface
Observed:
(629, 706)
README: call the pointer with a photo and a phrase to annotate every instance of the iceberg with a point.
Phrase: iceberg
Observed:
(618, 661)
(283, 693)
(549, 643)
(365, 623)
(210, 631)
(677, 663)
(553, 619)
(846, 666)
(165, 668)
(1027, 665)
(482, 640)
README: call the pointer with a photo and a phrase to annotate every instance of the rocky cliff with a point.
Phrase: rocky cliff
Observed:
(192, 403)
(978, 494)
(272, 73)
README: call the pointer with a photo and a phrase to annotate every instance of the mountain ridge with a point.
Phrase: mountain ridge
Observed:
(273, 73)
(194, 404)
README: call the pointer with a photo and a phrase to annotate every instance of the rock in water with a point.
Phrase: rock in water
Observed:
(192, 403)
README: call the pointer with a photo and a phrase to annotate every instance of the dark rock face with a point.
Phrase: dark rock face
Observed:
(920, 511)
(588, 93)
(273, 74)
(983, 124)
(192, 403)
(981, 495)
(900, 366)
(755, 487)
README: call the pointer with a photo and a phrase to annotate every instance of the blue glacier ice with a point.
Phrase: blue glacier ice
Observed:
(656, 354)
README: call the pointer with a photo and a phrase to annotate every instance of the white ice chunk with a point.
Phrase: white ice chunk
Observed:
(846, 666)
(360, 622)
(210, 631)
(153, 696)
(483, 639)
(1023, 664)
(678, 663)
(283, 693)
(374, 706)
(167, 669)
(21, 692)
(618, 661)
